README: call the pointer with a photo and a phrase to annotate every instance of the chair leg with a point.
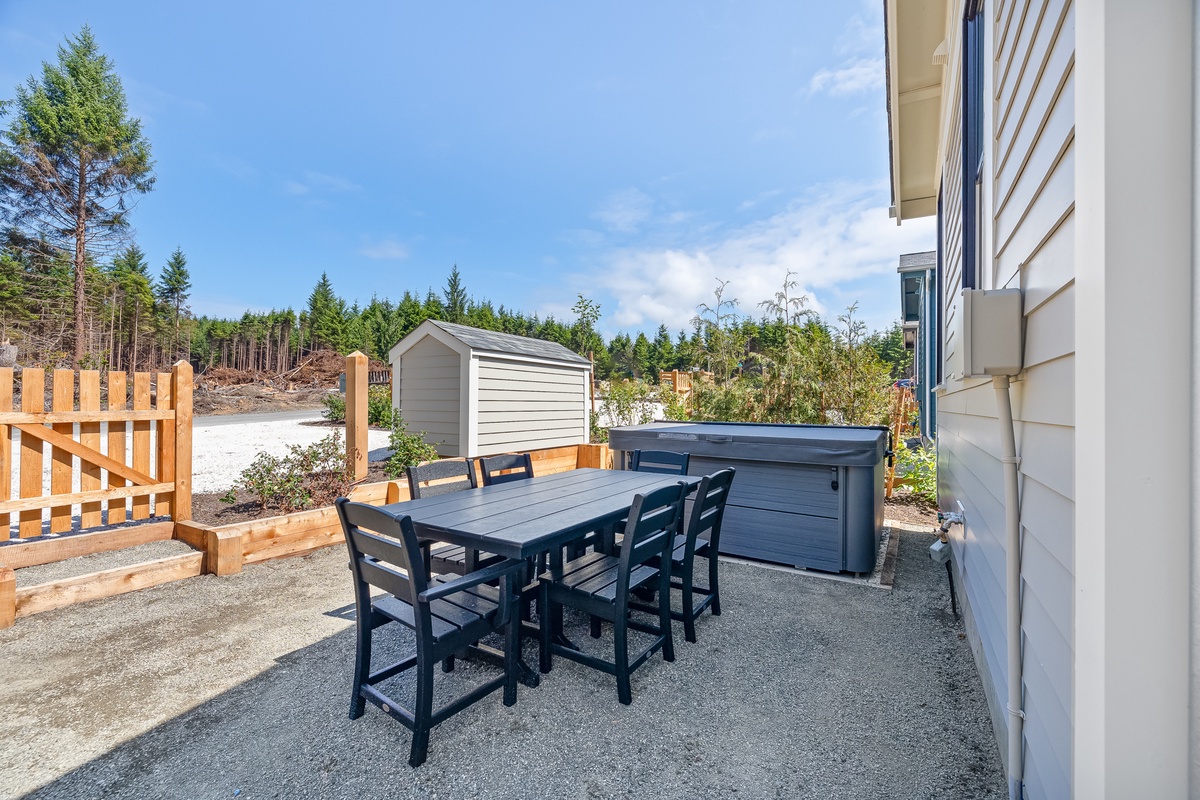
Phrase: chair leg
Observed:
(512, 652)
(362, 666)
(713, 586)
(595, 628)
(545, 617)
(448, 664)
(422, 713)
(664, 613)
(689, 614)
(621, 659)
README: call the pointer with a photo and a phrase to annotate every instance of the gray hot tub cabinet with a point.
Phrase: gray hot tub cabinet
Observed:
(805, 495)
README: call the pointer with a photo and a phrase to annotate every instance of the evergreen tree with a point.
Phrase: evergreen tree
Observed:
(173, 289)
(325, 318)
(456, 298)
(71, 158)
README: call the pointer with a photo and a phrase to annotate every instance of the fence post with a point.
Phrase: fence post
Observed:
(181, 394)
(356, 413)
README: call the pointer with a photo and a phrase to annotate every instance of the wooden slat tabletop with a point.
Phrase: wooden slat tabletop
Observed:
(523, 518)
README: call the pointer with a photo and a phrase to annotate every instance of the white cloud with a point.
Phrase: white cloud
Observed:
(625, 210)
(388, 249)
(863, 32)
(315, 181)
(856, 75)
(834, 236)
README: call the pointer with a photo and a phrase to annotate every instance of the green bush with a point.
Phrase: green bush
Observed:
(335, 407)
(307, 477)
(408, 449)
(379, 407)
(597, 432)
(918, 467)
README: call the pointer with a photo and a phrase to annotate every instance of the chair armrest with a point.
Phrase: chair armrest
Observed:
(494, 572)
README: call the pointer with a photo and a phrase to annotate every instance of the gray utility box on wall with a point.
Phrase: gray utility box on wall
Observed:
(804, 495)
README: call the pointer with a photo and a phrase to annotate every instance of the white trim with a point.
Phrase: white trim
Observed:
(551, 362)
(470, 404)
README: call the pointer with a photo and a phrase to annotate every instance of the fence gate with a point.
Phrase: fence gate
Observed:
(116, 463)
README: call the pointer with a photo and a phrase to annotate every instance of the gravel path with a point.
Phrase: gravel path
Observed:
(239, 687)
(223, 446)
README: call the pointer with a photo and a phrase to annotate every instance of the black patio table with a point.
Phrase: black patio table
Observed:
(523, 519)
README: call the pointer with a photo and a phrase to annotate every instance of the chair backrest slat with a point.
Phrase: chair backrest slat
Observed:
(379, 543)
(660, 461)
(505, 468)
(451, 474)
(654, 520)
(709, 508)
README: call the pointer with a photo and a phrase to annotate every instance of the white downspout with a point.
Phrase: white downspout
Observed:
(1012, 524)
(1194, 478)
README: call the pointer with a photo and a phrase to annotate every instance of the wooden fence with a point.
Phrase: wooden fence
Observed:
(132, 462)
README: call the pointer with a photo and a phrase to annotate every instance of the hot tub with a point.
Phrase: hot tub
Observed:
(805, 495)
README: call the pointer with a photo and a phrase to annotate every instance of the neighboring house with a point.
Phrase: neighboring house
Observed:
(1054, 142)
(476, 392)
(918, 321)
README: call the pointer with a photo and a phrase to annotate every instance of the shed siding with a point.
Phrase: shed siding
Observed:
(526, 406)
(1029, 202)
(429, 387)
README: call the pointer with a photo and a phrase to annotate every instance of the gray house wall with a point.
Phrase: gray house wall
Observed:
(1028, 242)
(523, 405)
(427, 382)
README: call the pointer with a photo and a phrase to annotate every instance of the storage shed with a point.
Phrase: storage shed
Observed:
(477, 392)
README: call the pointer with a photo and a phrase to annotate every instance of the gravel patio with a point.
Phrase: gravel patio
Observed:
(239, 687)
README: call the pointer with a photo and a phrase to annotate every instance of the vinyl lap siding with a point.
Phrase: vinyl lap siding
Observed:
(525, 406)
(1030, 203)
(430, 379)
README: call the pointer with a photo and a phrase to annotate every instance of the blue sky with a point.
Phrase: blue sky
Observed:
(633, 152)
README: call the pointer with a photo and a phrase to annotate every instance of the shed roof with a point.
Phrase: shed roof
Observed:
(507, 343)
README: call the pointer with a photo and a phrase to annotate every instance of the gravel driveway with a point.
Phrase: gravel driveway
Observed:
(223, 446)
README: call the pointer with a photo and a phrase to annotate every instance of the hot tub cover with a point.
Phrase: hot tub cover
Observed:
(831, 445)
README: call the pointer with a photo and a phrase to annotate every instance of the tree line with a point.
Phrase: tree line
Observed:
(75, 289)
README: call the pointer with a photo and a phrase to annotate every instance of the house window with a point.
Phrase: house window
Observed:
(972, 144)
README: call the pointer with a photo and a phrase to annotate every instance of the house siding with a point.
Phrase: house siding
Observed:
(428, 389)
(1029, 179)
(524, 406)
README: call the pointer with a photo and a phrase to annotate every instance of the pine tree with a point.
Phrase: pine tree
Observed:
(71, 159)
(174, 286)
(325, 316)
(456, 298)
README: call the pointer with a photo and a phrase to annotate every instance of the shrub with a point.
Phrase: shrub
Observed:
(597, 432)
(918, 467)
(335, 407)
(408, 449)
(379, 406)
(307, 477)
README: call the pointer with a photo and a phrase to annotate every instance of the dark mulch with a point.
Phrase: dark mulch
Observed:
(208, 508)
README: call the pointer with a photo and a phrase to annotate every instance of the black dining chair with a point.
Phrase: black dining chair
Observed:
(708, 510)
(443, 477)
(599, 585)
(505, 468)
(662, 461)
(445, 616)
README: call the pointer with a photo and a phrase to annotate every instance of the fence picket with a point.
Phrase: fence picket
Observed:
(61, 462)
(33, 398)
(164, 503)
(117, 509)
(141, 439)
(89, 436)
(6, 451)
